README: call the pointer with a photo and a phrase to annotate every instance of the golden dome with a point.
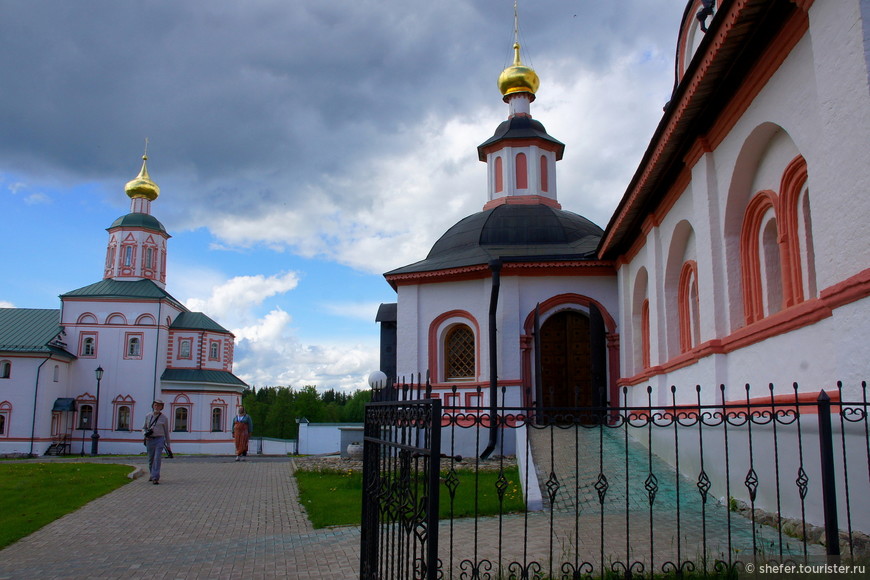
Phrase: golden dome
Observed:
(518, 78)
(142, 186)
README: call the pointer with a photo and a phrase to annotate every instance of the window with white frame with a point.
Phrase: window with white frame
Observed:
(214, 350)
(5, 417)
(217, 419)
(184, 348)
(89, 346)
(86, 416)
(134, 346)
(181, 414)
(123, 418)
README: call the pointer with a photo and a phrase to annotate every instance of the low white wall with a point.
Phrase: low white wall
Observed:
(528, 472)
(321, 438)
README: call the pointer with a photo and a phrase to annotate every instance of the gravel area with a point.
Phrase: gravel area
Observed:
(335, 462)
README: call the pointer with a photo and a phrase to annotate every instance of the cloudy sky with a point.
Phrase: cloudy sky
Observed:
(302, 147)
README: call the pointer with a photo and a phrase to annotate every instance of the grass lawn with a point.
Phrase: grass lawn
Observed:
(35, 494)
(334, 498)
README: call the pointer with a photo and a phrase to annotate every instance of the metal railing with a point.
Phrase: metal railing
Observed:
(653, 488)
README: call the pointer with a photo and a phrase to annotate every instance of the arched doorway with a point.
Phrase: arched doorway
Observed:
(566, 361)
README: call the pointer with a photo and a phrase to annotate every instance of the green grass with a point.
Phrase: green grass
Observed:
(334, 498)
(35, 494)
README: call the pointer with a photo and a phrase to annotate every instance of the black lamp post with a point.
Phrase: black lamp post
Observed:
(95, 437)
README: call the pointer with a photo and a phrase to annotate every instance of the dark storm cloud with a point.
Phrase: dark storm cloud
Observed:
(247, 104)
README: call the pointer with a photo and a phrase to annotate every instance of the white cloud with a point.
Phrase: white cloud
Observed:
(269, 351)
(235, 298)
(356, 310)
(269, 354)
(4, 304)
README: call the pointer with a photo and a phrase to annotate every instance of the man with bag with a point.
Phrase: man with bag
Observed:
(156, 436)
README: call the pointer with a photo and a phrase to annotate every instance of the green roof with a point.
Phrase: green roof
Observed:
(138, 220)
(196, 321)
(31, 330)
(202, 376)
(141, 289)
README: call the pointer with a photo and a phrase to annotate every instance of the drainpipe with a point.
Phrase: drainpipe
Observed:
(157, 349)
(35, 398)
(495, 266)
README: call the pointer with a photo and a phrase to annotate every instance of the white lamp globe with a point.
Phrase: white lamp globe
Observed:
(378, 380)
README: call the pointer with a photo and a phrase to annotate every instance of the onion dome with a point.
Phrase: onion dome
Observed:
(139, 220)
(518, 78)
(142, 186)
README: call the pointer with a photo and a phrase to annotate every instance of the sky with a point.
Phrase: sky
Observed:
(302, 147)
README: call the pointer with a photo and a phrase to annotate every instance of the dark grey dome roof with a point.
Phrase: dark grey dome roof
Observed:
(536, 232)
(520, 127)
(138, 220)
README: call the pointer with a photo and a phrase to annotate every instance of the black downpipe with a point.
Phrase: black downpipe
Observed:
(35, 401)
(539, 381)
(495, 266)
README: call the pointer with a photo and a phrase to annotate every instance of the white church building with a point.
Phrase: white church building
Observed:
(739, 253)
(82, 378)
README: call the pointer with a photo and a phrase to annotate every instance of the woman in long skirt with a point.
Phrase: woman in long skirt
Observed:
(242, 429)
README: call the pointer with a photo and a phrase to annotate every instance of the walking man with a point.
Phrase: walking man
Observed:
(156, 436)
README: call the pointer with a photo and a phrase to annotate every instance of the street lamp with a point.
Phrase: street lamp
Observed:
(95, 437)
(377, 381)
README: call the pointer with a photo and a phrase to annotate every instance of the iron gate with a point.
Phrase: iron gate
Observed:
(401, 460)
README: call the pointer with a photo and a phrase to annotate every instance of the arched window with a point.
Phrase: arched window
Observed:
(180, 419)
(128, 255)
(806, 248)
(89, 346)
(459, 353)
(56, 375)
(545, 178)
(5, 369)
(771, 268)
(5, 413)
(796, 225)
(522, 169)
(214, 350)
(123, 418)
(760, 265)
(134, 347)
(86, 415)
(217, 421)
(498, 177)
(688, 300)
(184, 348)
(638, 341)
(644, 334)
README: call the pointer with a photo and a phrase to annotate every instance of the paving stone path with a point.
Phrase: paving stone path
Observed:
(212, 517)
(208, 518)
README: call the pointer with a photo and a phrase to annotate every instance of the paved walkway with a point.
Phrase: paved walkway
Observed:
(212, 517)
(208, 518)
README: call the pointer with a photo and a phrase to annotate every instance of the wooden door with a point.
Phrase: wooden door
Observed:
(566, 361)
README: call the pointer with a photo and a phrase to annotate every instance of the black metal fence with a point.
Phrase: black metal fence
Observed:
(399, 536)
(625, 491)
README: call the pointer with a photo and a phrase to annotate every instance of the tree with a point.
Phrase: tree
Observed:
(274, 410)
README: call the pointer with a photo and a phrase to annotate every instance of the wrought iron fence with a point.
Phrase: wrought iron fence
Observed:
(628, 491)
(400, 490)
